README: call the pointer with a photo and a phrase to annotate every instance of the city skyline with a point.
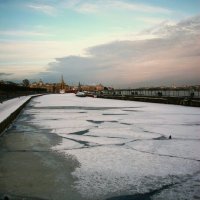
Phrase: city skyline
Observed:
(120, 43)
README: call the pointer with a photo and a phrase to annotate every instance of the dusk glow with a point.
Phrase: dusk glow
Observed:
(99, 99)
(121, 43)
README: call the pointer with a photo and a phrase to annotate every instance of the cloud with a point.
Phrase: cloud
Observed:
(88, 8)
(27, 58)
(166, 28)
(5, 74)
(151, 20)
(20, 71)
(23, 33)
(171, 58)
(99, 6)
(44, 8)
(139, 7)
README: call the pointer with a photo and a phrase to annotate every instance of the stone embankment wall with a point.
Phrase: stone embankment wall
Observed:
(4, 124)
(166, 100)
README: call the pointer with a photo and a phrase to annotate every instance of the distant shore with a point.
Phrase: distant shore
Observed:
(195, 102)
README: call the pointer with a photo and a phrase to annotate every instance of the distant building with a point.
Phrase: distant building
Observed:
(99, 87)
(63, 87)
(79, 87)
(51, 87)
(89, 88)
(38, 84)
(57, 87)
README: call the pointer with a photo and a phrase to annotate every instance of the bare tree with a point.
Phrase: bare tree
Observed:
(26, 82)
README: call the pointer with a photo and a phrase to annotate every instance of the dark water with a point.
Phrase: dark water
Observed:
(28, 167)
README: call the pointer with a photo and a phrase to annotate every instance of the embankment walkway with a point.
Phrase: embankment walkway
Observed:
(11, 108)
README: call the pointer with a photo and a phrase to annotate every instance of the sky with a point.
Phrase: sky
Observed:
(118, 43)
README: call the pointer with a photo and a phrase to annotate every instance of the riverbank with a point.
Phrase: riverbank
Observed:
(10, 109)
(194, 102)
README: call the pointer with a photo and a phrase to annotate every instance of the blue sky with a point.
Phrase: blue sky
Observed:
(38, 38)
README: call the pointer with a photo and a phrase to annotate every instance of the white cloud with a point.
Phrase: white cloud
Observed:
(139, 7)
(99, 6)
(88, 8)
(46, 9)
(172, 58)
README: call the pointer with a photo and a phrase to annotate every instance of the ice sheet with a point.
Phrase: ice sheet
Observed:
(116, 170)
(123, 146)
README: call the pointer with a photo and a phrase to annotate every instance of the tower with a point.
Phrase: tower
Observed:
(79, 87)
(62, 85)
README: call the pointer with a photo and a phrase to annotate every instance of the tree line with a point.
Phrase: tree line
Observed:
(9, 90)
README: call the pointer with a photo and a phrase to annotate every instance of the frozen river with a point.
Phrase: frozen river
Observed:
(63, 147)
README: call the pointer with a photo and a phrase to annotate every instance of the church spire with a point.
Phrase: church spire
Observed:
(62, 85)
(79, 87)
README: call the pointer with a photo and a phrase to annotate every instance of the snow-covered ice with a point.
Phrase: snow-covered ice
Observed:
(123, 146)
(10, 106)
